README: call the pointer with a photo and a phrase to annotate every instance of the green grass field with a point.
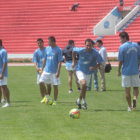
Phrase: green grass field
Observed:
(105, 119)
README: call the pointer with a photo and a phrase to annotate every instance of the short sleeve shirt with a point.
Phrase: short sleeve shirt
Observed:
(38, 57)
(52, 56)
(87, 59)
(129, 53)
(3, 60)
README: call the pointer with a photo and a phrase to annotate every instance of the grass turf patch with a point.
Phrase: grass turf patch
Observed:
(105, 119)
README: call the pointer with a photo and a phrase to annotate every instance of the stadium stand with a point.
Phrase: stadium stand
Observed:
(22, 22)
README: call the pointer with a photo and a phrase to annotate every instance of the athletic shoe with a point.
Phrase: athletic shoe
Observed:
(70, 91)
(79, 105)
(3, 100)
(129, 109)
(54, 103)
(6, 105)
(134, 104)
(43, 100)
(84, 106)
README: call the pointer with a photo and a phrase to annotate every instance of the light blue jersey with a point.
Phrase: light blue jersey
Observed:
(52, 56)
(87, 59)
(38, 57)
(129, 52)
(3, 59)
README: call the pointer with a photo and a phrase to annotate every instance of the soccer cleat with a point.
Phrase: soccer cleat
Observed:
(70, 91)
(79, 105)
(44, 99)
(54, 103)
(84, 106)
(6, 105)
(129, 109)
(134, 104)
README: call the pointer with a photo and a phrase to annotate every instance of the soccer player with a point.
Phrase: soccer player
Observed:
(129, 53)
(89, 60)
(67, 53)
(38, 58)
(4, 75)
(52, 64)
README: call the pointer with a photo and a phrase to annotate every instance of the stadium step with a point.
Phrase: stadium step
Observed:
(22, 22)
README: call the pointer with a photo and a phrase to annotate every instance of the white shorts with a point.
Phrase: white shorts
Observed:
(3, 81)
(130, 81)
(70, 68)
(82, 76)
(49, 78)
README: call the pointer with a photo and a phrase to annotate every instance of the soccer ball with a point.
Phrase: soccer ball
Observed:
(49, 101)
(74, 113)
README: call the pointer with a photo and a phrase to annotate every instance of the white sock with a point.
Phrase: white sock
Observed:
(47, 95)
(3, 100)
(84, 101)
(78, 101)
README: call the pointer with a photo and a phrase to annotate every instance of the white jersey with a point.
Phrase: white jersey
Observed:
(103, 54)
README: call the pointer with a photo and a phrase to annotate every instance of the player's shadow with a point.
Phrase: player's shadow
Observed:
(115, 90)
(67, 103)
(18, 106)
(110, 110)
(20, 101)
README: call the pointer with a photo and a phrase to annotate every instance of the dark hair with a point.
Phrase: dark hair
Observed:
(138, 43)
(40, 39)
(124, 35)
(0, 42)
(99, 41)
(52, 39)
(89, 40)
(70, 42)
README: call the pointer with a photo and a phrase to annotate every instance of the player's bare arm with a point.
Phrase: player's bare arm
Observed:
(3, 70)
(73, 59)
(95, 67)
(58, 69)
(119, 68)
(43, 65)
